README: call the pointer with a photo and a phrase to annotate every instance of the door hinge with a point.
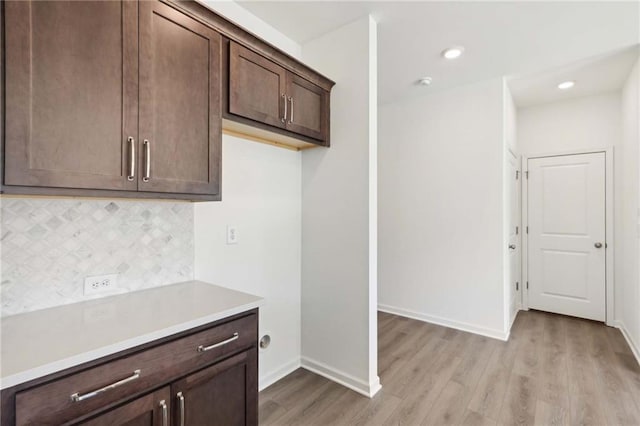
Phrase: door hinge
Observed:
(517, 230)
(517, 174)
(527, 285)
(527, 174)
(517, 286)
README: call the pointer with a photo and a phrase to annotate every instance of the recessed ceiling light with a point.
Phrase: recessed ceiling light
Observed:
(453, 52)
(425, 81)
(566, 85)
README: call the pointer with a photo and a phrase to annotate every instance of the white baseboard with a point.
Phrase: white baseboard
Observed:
(634, 347)
(463, 326)
(282, 371)
(342, 378)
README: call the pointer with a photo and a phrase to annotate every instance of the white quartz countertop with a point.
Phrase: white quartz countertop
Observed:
(38, 343)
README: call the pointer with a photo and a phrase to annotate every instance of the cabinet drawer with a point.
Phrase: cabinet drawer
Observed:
(96, 388)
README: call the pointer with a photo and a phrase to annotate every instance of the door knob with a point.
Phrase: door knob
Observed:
(598, 245)
(512, 246)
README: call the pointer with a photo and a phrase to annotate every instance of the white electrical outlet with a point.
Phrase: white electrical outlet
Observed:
(232, 235)
(100, 284)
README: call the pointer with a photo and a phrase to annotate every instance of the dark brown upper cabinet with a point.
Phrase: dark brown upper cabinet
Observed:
(308, 109)
(111, 96)
(256, 87)
(180, 125)
(70, 93)
(127, 98)
(275, 98)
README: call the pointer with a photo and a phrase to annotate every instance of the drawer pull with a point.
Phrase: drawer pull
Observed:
(202, 348)
(291, 117)
(181, 398)
(165, 417)
(132, 158)
(76, 397)
(147, 161)
(284, 117)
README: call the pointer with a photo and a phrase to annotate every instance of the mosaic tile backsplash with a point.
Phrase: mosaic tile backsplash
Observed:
(49, 246)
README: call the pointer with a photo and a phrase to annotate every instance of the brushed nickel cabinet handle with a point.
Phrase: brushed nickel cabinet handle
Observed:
(165, 417)
(284, 117)
(76, 397)
(181, 399)
(291, 100)
(147, 161)
(202, 348)
(132, 158)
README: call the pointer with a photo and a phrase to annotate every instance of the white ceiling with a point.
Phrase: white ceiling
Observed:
(601, 74)
(500, 38)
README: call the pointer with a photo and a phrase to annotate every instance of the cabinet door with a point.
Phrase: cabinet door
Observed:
(71, 93)
(308, 108)
(256, 87)
(149, 410)
(180, 119)
(225, 394)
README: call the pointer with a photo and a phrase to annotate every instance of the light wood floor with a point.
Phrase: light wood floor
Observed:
(554, 370)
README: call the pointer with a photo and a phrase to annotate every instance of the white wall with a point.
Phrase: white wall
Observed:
(591, 122)
(630, 279)
(261, 197)
(586, 123)
(510, 121)
(441, 208)
(338, 215)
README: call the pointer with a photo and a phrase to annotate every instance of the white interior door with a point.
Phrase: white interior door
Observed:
(566, 214)
(514, 234)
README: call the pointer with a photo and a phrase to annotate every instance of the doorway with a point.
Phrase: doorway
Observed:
(567, 215)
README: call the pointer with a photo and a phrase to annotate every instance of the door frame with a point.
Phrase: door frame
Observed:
(609, 226)
(520, 241)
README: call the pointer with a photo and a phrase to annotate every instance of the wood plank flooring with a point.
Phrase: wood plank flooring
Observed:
(555, 370)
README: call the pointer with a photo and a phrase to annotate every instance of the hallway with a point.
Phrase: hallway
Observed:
(554, 370)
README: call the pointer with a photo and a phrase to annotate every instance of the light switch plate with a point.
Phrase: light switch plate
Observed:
(232, 235)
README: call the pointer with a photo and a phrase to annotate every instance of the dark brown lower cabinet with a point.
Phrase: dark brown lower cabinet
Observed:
(217, 395)
(207, 376)
(148, 410)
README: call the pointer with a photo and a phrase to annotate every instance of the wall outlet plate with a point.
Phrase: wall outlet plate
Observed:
(100, 284)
